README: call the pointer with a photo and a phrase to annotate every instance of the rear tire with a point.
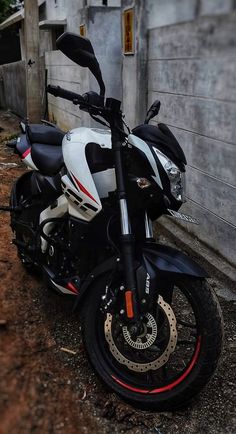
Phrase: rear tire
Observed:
(195, 375)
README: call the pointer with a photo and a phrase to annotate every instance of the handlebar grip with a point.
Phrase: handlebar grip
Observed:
(66, 94)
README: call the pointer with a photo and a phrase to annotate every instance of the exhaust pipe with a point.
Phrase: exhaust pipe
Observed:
(12, 144)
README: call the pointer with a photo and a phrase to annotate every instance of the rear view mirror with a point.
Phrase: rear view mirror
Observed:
(80, 51)
(153, 111)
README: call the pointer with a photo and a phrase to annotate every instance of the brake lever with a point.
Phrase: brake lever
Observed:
(100, 111)
(99, 120)
(125, 124)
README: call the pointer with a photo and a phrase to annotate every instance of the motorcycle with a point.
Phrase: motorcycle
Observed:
(151, 324)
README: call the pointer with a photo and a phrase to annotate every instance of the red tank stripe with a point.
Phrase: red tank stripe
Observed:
(27, 152)
(168, 386)
(83, 189)
(71, 287)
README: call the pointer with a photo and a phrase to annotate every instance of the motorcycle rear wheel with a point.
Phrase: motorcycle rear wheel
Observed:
(191, 358)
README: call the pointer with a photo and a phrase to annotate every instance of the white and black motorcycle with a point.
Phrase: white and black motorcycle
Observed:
(151, 324)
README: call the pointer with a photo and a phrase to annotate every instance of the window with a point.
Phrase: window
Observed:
(56, 32)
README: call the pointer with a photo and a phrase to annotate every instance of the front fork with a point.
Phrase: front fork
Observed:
(127, 243)
(131, 301)
(125, 225)
(127, 238)
(148, 227)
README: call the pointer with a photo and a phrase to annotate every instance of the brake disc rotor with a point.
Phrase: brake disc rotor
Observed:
(145, 340)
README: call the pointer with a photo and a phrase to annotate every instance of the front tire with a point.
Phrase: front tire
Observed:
(156, 389)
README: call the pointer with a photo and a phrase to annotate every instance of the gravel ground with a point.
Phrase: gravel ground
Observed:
(46, 390)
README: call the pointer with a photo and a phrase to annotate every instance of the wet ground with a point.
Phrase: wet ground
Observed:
(45, 389)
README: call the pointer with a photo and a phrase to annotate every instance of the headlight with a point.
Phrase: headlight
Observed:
(176, 177)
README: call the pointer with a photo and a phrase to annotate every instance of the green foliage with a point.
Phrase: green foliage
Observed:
(4, 9)
(7, 7)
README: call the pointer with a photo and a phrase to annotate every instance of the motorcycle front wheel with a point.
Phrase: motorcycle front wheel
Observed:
(174, 356)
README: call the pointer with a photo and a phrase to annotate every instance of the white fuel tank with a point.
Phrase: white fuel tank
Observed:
(82, 188)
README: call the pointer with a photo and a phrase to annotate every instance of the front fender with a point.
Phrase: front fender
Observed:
(168, 260)
(158, 261)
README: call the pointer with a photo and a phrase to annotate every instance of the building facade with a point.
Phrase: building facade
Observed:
(97, 19)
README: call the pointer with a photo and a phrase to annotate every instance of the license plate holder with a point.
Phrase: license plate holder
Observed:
(184, 217)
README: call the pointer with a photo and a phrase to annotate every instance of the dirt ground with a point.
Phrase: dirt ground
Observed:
(46, 390)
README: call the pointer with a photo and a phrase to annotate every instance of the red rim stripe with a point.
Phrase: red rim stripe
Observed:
(168, 386)
(83, 189)
(27, 152)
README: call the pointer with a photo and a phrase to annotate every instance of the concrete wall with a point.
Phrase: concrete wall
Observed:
(104, 33)
(134, 71)
(192, 70)
(57, 10)
(101, 26)
(162, 13)
(13, 87)
(115, 3)
(63, 72)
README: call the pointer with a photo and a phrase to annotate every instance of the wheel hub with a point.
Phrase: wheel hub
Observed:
(145, 340)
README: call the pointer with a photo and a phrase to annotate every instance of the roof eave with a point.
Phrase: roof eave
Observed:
(14, 18)
(48, 24)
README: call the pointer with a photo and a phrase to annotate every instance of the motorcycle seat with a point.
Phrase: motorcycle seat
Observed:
(47, 158)
(44, 134)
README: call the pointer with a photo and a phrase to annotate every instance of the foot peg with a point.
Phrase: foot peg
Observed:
(10, 208)
(6, 208)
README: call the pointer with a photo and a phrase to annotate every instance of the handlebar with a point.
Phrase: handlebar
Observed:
(66, 94)
(93, 103)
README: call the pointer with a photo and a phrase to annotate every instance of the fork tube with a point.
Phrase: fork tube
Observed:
(127, 238)
(148, 227)
(124, 216)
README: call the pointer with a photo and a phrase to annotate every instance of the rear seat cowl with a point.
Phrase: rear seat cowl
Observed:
(45, 134)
